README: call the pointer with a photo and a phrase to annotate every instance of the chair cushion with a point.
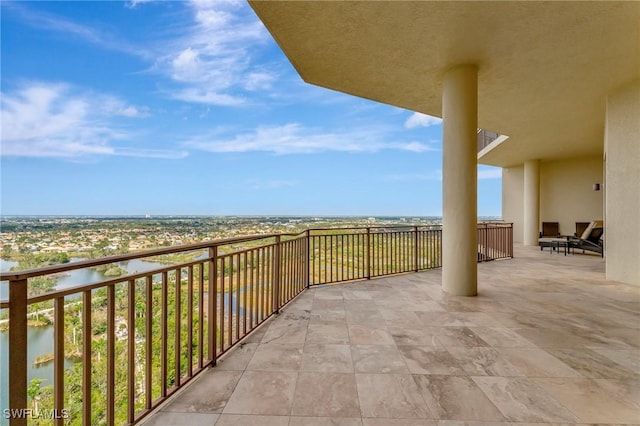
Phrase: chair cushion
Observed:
(587, 231)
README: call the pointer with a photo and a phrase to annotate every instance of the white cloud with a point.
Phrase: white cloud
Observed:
(132, 4)
(295, 139)
(57, 120)
(214, 62)
(421, 120)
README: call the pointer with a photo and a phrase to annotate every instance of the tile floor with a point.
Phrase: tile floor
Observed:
(547, 340)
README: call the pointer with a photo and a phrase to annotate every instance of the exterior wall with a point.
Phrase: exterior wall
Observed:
(622, 154)
(513, 200)
(566, 192)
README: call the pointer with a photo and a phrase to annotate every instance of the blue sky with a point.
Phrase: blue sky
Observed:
(191, 108)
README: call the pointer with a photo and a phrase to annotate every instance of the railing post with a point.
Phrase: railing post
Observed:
(276, 276)
(415, 248)
(368, 253)
(308, 258)
(18, 349)
(213, 303)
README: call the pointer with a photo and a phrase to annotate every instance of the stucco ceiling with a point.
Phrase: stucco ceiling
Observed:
(545, 68)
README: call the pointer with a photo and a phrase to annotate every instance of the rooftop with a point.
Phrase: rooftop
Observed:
(547, 340)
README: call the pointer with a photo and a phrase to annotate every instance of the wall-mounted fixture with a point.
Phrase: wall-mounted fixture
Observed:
(596, 187)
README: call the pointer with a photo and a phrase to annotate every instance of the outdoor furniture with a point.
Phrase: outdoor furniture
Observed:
(590, 240)
(580, 228)
(549, 234)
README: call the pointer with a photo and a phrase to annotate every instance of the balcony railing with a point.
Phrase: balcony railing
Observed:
(145, 335)
(485, 137)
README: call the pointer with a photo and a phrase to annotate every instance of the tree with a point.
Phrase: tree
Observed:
(33, 392)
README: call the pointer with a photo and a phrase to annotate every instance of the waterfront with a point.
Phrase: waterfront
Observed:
(40, 339)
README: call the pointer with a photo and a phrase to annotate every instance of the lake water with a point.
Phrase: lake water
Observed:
(40, 339)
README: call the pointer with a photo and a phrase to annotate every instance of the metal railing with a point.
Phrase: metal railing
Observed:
(485, 137)
(145, 335)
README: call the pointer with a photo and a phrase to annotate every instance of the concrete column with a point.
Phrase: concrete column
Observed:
(459, 181)
(531, 202)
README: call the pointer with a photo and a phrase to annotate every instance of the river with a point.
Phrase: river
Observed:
(40, 339)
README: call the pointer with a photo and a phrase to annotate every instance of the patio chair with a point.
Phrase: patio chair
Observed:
(580, 228)
(590, 240)
(550, 232)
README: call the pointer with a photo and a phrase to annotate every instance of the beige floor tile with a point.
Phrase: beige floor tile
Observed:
(481, 361)
(536, 362)
(390, 396)
(456, 398)
(276, 358)
(328, 333)
(502, 337)
(398, 422)
(591, 364)
(325, 421)
(457, 337)
(250, 420)
(237, 358)
(163, 418)
(552, 338)
(628, 358)
(326, 395)
(264, 393)
(589, 402)
(290, 332)
(520, 400)
(328, 316)
(327, 358)
(430, 360)
(627, 389)
(377, 359)
(366, 335)
(371, 318)
(414, 336)
(209, 393)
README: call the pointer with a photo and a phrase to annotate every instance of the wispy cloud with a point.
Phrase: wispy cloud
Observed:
(132, 4)
(421, 120)
(51, 22)
(58, 120)
(294, 138)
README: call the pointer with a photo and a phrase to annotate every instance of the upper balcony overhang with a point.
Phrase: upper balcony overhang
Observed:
(545, 69)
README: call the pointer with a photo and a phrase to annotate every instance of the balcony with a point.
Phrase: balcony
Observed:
(138, 339)
(548, 340)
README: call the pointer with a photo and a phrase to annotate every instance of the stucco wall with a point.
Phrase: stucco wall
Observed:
(622, 153)
(512, 200)
(566, 192)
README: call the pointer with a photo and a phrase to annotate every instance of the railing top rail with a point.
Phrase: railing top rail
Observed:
(364, 228)
(54, 269)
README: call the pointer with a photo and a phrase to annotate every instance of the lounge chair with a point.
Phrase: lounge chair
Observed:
(590, 240)
(549, 234)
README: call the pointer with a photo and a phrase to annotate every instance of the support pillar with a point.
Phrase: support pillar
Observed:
(459, 181)
(531, 202)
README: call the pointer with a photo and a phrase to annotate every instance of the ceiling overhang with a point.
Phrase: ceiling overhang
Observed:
(544, 68)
